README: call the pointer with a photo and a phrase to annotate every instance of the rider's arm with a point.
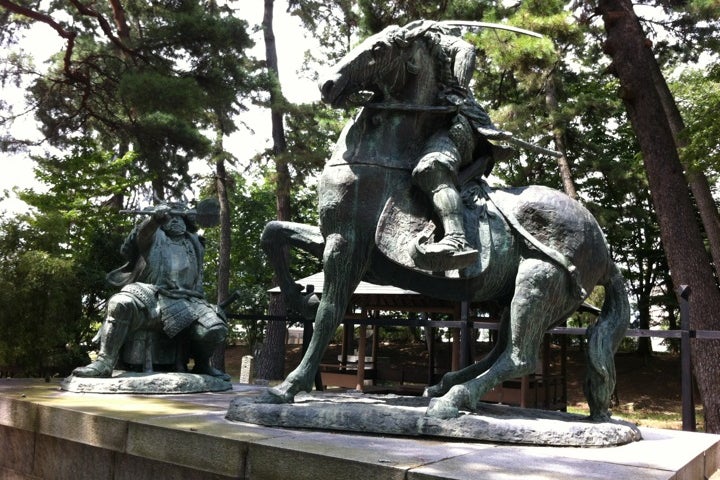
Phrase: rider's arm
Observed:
(142, 236)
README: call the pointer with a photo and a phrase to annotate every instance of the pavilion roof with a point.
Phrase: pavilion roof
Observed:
(382, 297)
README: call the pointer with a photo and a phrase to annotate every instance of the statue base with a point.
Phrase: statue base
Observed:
(405, 415)
(146, 383)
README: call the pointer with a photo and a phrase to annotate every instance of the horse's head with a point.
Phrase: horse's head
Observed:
(380, 66)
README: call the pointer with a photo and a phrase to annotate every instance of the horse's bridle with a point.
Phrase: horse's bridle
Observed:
(405, 107)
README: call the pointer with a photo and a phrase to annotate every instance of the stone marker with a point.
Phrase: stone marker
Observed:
(247, 369)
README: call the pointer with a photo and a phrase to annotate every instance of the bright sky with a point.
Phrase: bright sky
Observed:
(16, 170)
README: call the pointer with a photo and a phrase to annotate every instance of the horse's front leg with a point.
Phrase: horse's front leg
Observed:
(275, 240)
(344, 264)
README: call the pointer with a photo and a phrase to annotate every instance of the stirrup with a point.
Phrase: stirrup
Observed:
(453, 252)
(453, 244)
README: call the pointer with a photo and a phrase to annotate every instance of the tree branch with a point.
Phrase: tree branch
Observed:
(47, 20)
(104, 25)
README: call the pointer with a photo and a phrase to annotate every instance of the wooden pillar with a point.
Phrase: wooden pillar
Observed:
(688, 402)
(430, 342)
(347, 343)
(455, 363)
(362, 340)
(455, 339)
(563, 370)
(524, 386)
(466, 336)
(545, 373)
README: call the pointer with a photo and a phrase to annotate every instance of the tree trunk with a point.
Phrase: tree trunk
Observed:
(271, 361)
(708, 212)
(551, 102)
(644, 348)
(634, 63)
(223, 268)
(697, 180)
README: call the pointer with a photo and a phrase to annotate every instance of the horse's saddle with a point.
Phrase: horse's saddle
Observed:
(408, 218)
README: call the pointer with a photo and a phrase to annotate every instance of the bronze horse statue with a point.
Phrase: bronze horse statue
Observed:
(544, 252)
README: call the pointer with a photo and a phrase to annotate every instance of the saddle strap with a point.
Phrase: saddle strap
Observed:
(556, 256)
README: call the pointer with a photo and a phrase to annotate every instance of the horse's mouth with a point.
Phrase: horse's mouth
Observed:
(361, 98)
(339, 93)
(356, 97)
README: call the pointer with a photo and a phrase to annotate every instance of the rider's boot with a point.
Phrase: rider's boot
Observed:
(448, 205)
(111, 340)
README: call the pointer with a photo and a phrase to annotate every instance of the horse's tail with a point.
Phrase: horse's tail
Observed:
(604, 338)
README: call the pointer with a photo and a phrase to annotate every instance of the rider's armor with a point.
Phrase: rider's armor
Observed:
(450, 149)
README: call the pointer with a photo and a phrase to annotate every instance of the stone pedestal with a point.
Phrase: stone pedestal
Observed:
(156, 383)
(48, 433)
(405, 415)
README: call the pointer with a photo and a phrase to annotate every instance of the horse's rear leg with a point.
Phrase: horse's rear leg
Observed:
(344, 264)
(451, 379)
(275, 240)
(540, 300)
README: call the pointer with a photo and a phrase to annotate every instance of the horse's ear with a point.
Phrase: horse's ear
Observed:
(417, 28)
(412, 65)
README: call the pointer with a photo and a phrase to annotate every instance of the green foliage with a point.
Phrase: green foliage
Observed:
(56, 258)
(697, 93)
(253, 206)
(86, 172)
(42, 321)
(332, 23)
(704, 9)
(41, 310)
(152, 92)
(155, 85)
(311, 133)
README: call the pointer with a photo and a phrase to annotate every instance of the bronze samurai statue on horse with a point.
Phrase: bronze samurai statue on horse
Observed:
(402, 201)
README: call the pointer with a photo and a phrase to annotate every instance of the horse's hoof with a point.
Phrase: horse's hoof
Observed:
(274, 396)
(432, 391)
(442, 409)
(600, 417)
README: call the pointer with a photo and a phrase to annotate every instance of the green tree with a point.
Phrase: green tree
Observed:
(254, 206)
(150, 87)
(41, 311)
(73, 233)
(634, 64)
(297, 151)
